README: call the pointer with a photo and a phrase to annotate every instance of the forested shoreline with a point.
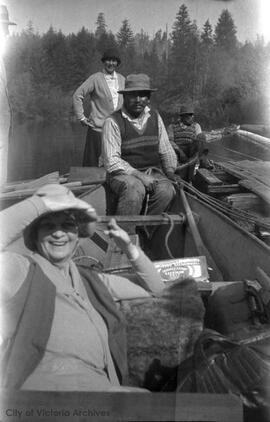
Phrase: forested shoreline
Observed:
(226, 80)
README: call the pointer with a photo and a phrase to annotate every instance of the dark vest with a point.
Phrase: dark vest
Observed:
(29, 315)
(140, 150)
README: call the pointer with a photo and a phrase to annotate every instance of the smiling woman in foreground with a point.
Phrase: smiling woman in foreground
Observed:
(61, 329)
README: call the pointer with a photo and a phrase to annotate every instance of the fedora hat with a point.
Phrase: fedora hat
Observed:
(137, 82)
(186, 109)
(60, 199)
(111, 53)
(4, 17)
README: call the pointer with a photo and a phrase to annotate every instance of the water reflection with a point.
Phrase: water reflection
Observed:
(37, 148)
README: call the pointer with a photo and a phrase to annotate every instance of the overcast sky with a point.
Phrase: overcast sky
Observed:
(250, 16)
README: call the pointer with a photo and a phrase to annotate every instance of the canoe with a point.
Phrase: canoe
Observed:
(253, 133)
(257, 129)
(157, 335)
(254, 137)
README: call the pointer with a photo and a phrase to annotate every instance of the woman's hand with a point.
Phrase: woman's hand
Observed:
(85, 122)
(122, 239)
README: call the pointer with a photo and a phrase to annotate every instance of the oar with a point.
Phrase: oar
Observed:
(200, 246)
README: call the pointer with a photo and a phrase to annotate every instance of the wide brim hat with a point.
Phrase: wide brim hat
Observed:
(4, 17)
(186, 109)
(62, 200)
(137, 82)
(111, 53)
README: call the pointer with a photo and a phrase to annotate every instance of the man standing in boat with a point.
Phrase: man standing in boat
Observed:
(137, 153)
(5, 116)
(102, 87)
(183, 136)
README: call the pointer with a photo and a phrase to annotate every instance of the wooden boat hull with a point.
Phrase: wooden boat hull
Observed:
(236, 252)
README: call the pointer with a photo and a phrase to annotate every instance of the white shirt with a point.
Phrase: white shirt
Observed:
(112, 82)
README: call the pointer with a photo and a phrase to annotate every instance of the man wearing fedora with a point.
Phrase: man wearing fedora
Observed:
(137, 153)
(183, 136)
(102, 87)
(5, 109)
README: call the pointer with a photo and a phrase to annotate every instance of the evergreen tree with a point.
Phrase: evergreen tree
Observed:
(142, 43)
(225, 32)
(181, 28)
(129, 60)
(252, 76)
(105, 41)
(160, 43)
(183, 53)
(55, 57)
(151, 64)
(206, 50)
(83, 56)
(207, 35)
(101, 25)
(126, 42)
(44, 70)
(125, 36)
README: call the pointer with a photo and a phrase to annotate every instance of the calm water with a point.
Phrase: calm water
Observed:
(37, 148)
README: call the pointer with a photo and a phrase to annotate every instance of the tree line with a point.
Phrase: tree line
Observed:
(226, 80)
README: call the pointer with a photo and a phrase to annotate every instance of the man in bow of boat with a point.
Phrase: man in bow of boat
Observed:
(102, 87)
(61, 329)
(184, 136)
(137, 154)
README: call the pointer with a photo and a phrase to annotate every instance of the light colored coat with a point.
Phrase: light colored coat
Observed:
(101, 99)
